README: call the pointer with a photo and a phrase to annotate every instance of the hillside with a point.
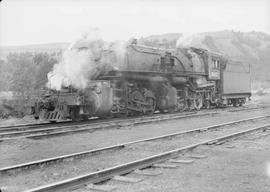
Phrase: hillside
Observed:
(49, 48)
(167, 40)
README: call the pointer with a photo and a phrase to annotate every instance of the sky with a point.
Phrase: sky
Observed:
(25, 22)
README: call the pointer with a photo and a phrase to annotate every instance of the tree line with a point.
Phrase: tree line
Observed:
(26, 72)
(23, 74)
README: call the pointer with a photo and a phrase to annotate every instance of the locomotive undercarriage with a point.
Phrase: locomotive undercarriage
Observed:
(141, 98)
(132, 98)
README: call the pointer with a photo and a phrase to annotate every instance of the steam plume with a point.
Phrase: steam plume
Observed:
(84, 60)
(189, 39)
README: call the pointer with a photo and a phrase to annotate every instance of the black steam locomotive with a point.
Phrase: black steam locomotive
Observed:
(150, 80)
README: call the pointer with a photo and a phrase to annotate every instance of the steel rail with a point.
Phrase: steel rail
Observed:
(56, 124)
(39, 133)
(68, 122)
(47, 161)
(103, 175)
(247, 109)
(81, 123)
(86, 122)
(23, 125)
(33, 125)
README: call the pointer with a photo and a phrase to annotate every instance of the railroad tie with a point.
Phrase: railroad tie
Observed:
(212, 142)
(104, 188)
(181, 161)
(147, 173)
(230, 146)
(197, 156)
(127, 179)
(163, 165)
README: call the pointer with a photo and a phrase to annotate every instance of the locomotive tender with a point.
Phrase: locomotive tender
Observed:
(152, 79)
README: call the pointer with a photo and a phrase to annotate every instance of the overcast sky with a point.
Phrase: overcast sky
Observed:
(46, 21)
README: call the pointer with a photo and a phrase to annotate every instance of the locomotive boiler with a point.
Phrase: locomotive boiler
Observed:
(149, 80)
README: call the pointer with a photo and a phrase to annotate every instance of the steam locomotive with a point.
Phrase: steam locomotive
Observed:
(152, 79)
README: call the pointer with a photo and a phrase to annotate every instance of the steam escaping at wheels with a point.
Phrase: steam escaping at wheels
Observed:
(133, 79)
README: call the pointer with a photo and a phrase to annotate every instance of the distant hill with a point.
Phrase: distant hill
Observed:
(167, 40)
(49, 48)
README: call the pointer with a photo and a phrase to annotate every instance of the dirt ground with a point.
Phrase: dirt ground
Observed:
(19, 121)
(28, 149)
(24, 150)
(242, 165)
(65, 170)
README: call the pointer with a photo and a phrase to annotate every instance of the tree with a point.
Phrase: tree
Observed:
(4, 76)
(44, 64)
(21, 69)
(25, 72)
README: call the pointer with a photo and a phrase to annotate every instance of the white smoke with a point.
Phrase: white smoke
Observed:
(83, 61)
(189, 39)
(71, 70)
(119, 49)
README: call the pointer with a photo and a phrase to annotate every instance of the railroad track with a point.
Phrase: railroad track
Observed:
(108, 173)
(30, 126)
(34, 164)
(33, 132)
(248, 108)
(96, 120)
(36, 131)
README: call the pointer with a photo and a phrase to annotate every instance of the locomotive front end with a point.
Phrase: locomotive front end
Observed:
(69, 103)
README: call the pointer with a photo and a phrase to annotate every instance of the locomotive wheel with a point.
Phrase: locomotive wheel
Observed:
(136, 100)
(198, 101)
(234, 102)
(151, 105)
(75, 114)
(181, 105)
(85, 117)
(207, 104)
(190, 104)
(240, 104)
